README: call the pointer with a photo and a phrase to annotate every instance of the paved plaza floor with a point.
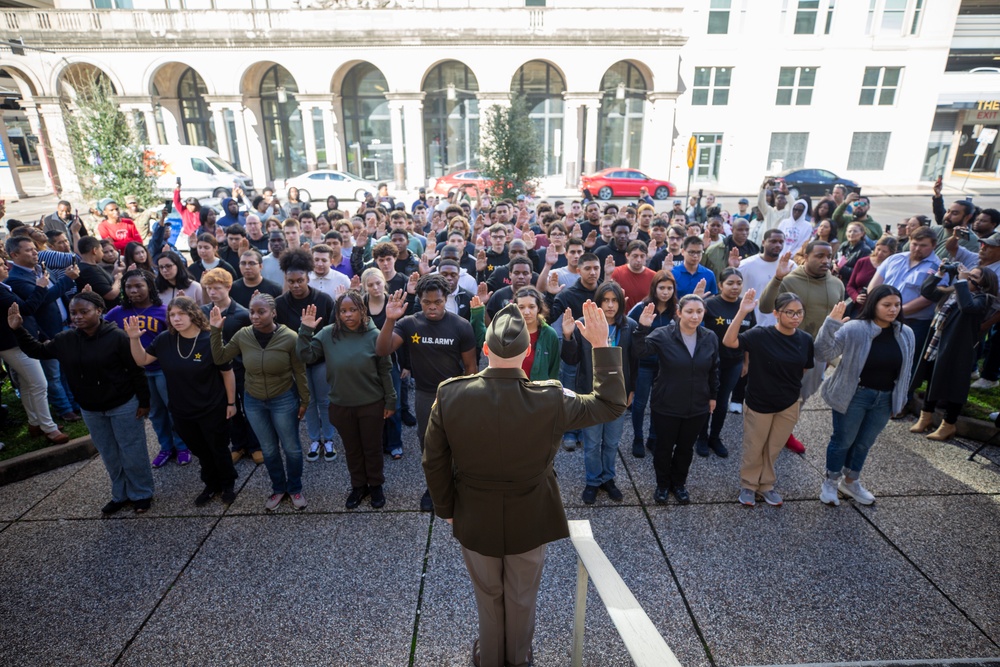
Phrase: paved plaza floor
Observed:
(913, 577)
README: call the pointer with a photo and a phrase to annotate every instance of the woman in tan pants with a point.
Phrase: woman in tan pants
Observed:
(779, 355)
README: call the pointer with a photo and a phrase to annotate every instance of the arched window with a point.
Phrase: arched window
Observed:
(542, 86)
(451, 118)
(366, 123)
(286, 153)
(619, 132)
(196, 119)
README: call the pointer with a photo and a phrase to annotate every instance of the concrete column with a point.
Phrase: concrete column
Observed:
(340, 141)
(35, 125)
(398, 151)
(170, 109)
(413, 124)
(590, 146)
(250, 137)
(658, 133)
(331, 145)
(55, 126)
(10, 182)
(149, 115)
(221, 135)
(308, 134)
(572, 141)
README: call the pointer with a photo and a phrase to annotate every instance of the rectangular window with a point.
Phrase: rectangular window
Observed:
(805, 17)
(879, 86)
(711, 86)
(829, 16)
(795, 86)
(917, 11)
(868, 151)
(789, 147)
(892, 16)
(718, 17)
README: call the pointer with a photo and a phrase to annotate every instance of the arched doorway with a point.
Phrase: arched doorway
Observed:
(451, 118)
(619, 132)
(282, 121)
(366, 123)
(196, 119)
(542, 87)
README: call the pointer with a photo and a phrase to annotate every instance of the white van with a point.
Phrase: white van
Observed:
(202, 172)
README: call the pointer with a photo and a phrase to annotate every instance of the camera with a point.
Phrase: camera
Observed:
(950, 268)
(962, 232)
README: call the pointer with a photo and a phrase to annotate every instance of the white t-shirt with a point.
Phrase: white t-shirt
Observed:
(757, 274)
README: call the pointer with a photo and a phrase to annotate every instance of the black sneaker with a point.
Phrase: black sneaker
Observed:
(113, 506)
(357, 494)
(701, 447)
(204, 497)
(426, 504)
(661, 495)
(228, 495)
(378, 498)
(651, 444)
(638, 451)
(681, 494)
(613, 491)
(407, 418)
(589, 495)
(715, 444)
(142, 505)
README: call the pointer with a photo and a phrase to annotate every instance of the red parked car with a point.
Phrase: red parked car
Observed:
(620, 182)
(466, 179)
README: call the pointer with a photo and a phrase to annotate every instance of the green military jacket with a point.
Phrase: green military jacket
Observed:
(489, 447)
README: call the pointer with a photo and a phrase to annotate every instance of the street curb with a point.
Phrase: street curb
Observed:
(966, 427)
(43, 460)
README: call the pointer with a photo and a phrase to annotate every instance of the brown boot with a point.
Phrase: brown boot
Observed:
(57, 437)
(924, 424)
(944, 432)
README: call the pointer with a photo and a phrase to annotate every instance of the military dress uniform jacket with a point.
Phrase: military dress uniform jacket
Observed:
(489, 447)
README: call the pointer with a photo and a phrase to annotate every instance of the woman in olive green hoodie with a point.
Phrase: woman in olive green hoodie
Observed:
(273, 374)
(361, 392)
(542, 362)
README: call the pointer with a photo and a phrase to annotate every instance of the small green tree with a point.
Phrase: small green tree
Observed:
(110, 160)
(511, 153)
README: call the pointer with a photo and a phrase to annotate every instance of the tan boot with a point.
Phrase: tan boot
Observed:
(923, 424)
(944, 432)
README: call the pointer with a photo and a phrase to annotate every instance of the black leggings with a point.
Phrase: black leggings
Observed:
(951, 410)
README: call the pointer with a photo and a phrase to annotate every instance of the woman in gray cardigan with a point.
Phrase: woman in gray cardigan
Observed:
(867, 387)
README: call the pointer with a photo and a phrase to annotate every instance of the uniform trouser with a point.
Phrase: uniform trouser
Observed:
(360, 430)
(34, 388)
(208, 438)
(422, 403)
(764, 436)
(506, 595)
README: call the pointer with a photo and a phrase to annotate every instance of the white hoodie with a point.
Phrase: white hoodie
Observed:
(797, 231)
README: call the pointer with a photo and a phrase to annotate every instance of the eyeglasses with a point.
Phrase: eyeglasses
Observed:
(249, 263)
(164, 267)
(694, 253)
(795, 314)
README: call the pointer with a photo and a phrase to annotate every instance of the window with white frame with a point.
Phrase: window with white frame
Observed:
(789, 147)
(805, 17)
(795, 86)
(868, 151)
(711, 86)
(808, 16)
(894, 17)
(918, 11)
(718, 17)
(879, 86)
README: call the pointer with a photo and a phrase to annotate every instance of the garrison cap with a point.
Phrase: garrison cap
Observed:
(507, 336)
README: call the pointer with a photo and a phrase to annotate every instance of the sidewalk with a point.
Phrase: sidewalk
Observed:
(913, 577)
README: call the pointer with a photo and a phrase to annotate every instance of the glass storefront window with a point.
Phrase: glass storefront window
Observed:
(619, 133)
(196, 119)
(366, 123)
(542, 87)
(282, 122)
(451, 119)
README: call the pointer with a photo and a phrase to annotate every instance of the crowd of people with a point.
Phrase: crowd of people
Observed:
(349, 319)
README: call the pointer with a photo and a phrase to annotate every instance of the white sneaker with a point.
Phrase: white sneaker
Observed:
(983, 383)
(329, 453)
(974, 376)
(736, 408)
(856, 491)
(993, 416)
(313, 454)
(828, 494)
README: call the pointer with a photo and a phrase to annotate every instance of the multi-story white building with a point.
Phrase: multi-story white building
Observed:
(886, 92)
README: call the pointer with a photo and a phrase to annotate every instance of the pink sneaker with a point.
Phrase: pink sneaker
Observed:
(162, 458)
(794, 445)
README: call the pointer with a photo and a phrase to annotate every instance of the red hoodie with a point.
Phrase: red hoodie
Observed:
(190, 221)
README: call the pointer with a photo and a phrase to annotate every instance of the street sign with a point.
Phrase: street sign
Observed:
(987, 135)
(692, 150)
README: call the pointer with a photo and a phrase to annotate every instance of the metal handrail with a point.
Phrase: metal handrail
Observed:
(642, 640)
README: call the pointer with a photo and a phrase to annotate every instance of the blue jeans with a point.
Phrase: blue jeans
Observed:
(643, 385)
(120, 439)
(567, 376)
(318, 411)
(57, 395)
(855, 431)
(276, 420)
(393, 438)
(600, 450)
(159, 416)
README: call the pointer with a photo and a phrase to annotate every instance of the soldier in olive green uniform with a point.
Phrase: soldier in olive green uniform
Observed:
(488, 454)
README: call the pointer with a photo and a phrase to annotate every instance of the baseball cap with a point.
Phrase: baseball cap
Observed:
(992, 240)
(744, 200)
(507, 336)
(422, 191)
(520, 198)
(677, 202)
